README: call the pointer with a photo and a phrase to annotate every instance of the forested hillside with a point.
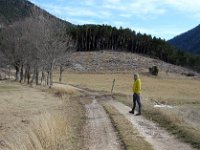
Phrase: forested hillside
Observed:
(188, 41)
(98, 37)
(14, 10)
(32, 41)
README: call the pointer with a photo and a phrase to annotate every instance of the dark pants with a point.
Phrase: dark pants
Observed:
(136, 98)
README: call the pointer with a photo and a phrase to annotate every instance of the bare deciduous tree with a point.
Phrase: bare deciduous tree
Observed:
(36, 45)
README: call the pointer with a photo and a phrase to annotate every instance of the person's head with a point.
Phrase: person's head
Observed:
(136, 76)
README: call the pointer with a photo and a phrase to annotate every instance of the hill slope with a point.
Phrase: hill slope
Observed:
(188, 41)
(119, 62)
(11, 10)
(15, 10)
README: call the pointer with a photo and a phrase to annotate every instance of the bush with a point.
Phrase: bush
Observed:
(154, 70)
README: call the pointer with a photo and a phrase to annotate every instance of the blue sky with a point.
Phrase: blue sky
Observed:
(160, 18)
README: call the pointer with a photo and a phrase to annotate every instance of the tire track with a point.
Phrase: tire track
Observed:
(99, 131)
(158, 137)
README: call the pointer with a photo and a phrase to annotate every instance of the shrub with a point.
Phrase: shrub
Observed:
(154, 70)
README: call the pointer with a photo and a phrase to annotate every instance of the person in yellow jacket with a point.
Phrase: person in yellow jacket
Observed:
(136, 94)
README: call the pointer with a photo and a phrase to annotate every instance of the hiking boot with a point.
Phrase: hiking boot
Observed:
(138, 114)
(131, 112)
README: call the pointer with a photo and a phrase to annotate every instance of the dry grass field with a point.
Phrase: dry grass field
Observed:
(182, 93)
(39, 118)
(166, 89)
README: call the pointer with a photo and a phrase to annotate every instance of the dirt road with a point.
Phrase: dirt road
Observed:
(99, 132)
(159, 138)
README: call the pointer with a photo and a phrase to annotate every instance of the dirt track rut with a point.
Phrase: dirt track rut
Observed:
(100, 134)
(158, 137)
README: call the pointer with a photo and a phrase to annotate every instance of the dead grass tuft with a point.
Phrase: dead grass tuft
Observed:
(45, 132)
(33, 119)
(128, 135)
(60, 92)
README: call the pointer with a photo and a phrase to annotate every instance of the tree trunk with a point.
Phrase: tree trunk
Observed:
(28, 74)
(36, 76)
(47, 81)
(61, 71)
(17, 73)
(33, 77)
(25, 74)
(42, 77)
(51, 75)
(21, 73)
(9, 72)
(5, 73)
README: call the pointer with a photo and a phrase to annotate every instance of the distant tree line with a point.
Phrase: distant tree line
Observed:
(98, 37)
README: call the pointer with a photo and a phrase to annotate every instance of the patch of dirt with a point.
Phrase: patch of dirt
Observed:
(158, 137)
(101, 61)
(99, 132)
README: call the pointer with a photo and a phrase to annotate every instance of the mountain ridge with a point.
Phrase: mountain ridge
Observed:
(188, 41)
(16, 10)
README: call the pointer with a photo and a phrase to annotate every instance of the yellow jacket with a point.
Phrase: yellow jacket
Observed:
(137, 86)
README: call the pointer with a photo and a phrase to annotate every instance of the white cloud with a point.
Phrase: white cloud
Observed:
(88, 2)
(188, 6)
(78, 11)
(143, 9)
(165, 31)
(136, 14)
(33, 1)
(147, 8)
(69, 11)
(82, 21)
(140, 8)
(113, 1)
(125, 15)
(104, 14)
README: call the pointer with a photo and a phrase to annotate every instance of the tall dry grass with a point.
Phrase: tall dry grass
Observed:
(36, 119)
(44, 132)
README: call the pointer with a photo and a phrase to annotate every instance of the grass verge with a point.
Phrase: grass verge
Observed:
(126, 132)
(41, 118)
(75, 116)
(168, 120)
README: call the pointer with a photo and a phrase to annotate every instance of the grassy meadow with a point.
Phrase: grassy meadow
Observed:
(170, 90)
(182, 93)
